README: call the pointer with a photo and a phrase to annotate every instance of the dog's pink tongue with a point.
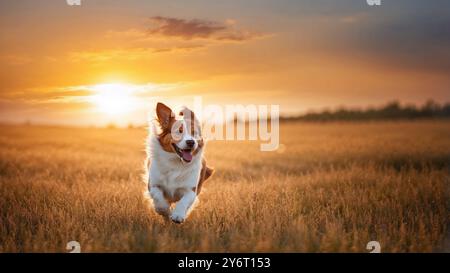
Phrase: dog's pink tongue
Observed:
(186, 155)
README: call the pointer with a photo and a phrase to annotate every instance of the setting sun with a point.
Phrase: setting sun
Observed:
(113, 98)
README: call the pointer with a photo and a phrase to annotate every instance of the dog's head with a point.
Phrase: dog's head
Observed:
(180, 136)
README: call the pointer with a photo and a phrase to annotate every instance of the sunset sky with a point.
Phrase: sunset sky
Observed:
(111, 60)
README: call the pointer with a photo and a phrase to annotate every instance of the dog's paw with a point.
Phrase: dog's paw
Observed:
(177, 218)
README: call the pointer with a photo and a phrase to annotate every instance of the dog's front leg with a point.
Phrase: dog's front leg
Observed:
(159, 202)
(183, 206)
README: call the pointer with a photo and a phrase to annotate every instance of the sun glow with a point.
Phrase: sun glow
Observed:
(113, 98)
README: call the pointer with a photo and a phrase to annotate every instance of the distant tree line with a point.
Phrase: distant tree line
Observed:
(391, 111)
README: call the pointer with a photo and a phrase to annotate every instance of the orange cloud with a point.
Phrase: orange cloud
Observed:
(130, 54)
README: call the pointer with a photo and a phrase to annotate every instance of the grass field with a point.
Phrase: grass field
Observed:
(330, 188)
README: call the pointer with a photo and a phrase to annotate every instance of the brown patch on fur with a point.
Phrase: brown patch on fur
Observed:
(176, 196)
(189, 117)
(200, 146)
(205, 173)
(165, 140)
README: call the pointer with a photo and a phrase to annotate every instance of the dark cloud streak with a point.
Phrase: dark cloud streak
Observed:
(197, 29)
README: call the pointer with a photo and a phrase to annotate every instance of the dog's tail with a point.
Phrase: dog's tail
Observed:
(205, 173)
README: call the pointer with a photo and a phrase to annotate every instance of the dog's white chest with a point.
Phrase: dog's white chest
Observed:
(172, 175)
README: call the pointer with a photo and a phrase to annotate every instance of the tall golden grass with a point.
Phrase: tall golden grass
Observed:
(330, 188)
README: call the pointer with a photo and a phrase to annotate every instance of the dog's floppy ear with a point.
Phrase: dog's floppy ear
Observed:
(165, 115)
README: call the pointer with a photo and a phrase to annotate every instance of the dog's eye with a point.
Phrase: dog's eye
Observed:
(180, 130)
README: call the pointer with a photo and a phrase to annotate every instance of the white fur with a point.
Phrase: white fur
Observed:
(167, 173)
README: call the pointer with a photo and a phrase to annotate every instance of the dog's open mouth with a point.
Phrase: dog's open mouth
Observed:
(185, 154)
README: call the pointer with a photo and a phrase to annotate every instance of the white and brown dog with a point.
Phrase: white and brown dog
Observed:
(176, 166)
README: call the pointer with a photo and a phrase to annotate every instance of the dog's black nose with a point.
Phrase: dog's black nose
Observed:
(190, 143)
